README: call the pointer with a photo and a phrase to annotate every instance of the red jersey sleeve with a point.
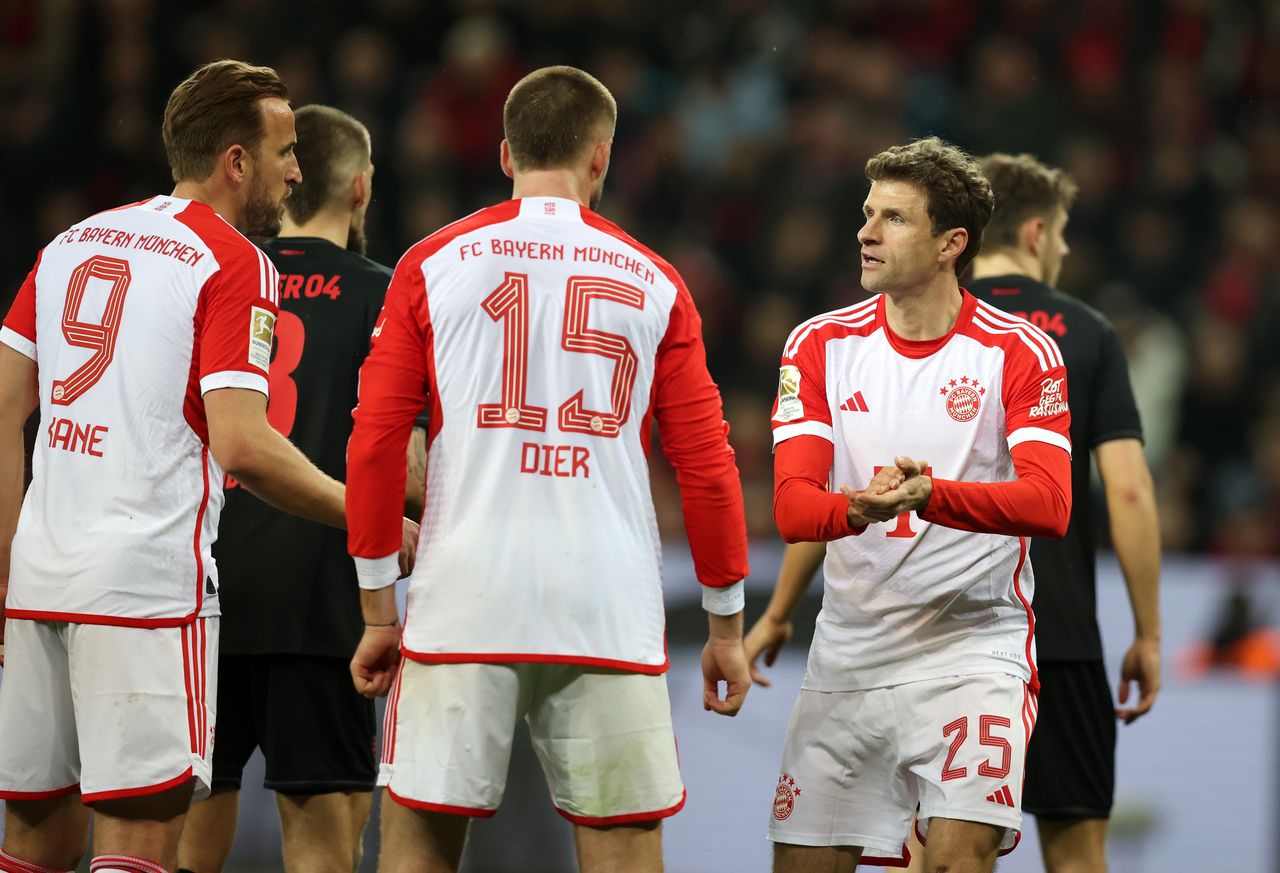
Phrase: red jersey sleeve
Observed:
(393, 391)
(19, 331)
(1035, 396)
(235, 321)
(804, 510)
(801, 405)
(1036, 504)
(694, 435)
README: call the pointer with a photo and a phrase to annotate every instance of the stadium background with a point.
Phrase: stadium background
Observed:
(743, 128)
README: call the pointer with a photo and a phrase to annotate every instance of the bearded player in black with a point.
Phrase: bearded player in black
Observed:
(1070, 777)
(291, 610)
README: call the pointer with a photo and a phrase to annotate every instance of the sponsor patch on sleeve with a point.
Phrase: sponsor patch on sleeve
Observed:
(262, 328)
(789, 406)
(1052, 401)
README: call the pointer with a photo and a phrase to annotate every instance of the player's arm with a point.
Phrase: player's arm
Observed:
(772, 631)
(694, 434)
(415, 473)
(803, 508)
(393, 391)
(266, 463)
(19, 394)
(1035, 504)
(1135, 535)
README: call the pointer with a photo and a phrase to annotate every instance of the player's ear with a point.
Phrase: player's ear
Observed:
(235, 163)
(360, 189)
(1033, 234)
(504, 160)
(600, 158)
(954, 242)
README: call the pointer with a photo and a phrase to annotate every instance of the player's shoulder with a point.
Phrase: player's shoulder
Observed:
(1082, 312)
(598, 222)
(861, 319)
(421, 251)
(1020, 340)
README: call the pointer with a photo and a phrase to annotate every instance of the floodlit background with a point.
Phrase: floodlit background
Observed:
(743, 128)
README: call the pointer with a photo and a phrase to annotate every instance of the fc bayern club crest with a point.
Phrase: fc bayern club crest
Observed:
(964, 398)
(784, 799)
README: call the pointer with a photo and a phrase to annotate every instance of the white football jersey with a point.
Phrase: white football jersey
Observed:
(544, 341)
(131, 316)
(907, 600)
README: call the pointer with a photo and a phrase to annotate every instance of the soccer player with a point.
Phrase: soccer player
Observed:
(291, 614)
(143, 334)
(543, 340)
(1071, 761)
(921, 681)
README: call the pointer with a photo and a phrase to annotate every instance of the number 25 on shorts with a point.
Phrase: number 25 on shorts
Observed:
(959, 731)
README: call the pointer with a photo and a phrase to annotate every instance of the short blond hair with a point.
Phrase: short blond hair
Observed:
(1024, 188)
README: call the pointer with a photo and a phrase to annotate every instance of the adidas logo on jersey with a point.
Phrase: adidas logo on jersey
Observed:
(1001, 796)
(855, 403)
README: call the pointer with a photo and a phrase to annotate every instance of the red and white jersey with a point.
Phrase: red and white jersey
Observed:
(131, 315)
(908, 600)
(543, 341)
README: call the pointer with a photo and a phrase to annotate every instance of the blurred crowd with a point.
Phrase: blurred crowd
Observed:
(743, 129)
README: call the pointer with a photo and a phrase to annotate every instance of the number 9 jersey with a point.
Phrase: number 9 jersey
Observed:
(131, 316)
(543, 341)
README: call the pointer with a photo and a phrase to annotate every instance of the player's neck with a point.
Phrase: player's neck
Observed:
(324, 225)
(1007, 262)
(552, 183)
(219, 200)
(926, 313)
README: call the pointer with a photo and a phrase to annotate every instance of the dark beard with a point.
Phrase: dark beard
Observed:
(262, 217)
(356, 241)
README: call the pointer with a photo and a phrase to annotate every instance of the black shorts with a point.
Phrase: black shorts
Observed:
(315, 730)
(1071, 761)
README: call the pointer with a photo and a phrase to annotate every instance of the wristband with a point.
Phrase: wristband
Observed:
(724, 601)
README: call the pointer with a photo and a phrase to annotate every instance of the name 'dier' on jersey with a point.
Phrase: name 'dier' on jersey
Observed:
(961, 403)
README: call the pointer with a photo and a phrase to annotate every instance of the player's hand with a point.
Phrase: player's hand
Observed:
(374, 665)
(910, 493)
(724, 661)
(408, 547)
(1141, 664)
(768, 636)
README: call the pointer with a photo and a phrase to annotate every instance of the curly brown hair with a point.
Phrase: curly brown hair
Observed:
(1025, 188)
(957, 194)
(213, 109)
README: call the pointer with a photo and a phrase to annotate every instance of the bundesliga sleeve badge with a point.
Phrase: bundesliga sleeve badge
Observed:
(789, 406)
(262, 327)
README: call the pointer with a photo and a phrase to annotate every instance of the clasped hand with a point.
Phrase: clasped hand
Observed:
(898, 488)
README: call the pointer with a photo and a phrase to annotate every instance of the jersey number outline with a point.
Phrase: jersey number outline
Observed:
(100, 336)
(290, 336)
(509, 304)
(960, 727)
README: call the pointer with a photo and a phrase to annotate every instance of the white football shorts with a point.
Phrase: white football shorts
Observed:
(857, 763)
(107, 711)
(604, 739)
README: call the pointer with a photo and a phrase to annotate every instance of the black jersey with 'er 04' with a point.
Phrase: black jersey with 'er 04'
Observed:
(1102, 409)
(287, 585)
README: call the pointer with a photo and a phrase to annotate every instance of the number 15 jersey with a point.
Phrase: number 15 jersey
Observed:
(131, 316)
(545, 341)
